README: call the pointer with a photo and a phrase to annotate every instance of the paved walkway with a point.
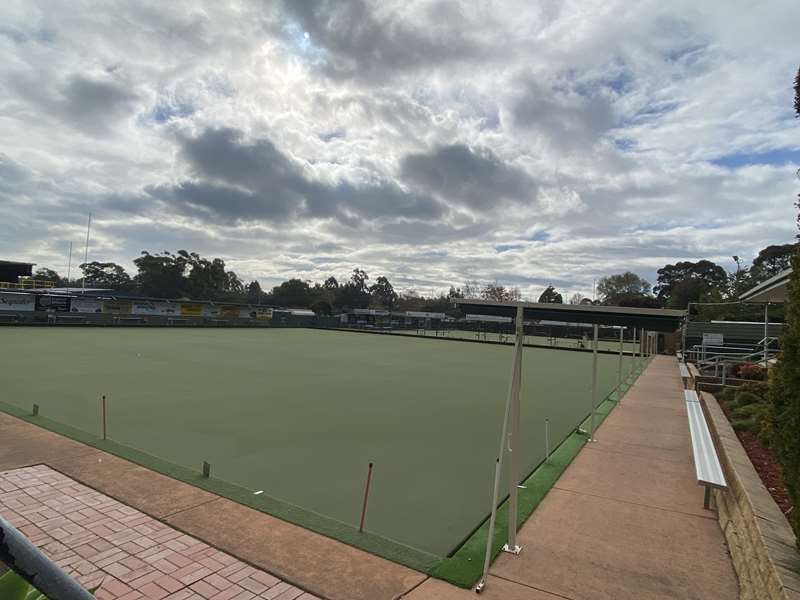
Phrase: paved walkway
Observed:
(626, 519)
(129, 555)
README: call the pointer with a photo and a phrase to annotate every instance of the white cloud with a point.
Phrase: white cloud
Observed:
(532, 143)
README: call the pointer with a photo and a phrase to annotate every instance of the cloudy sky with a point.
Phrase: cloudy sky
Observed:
(434, 142)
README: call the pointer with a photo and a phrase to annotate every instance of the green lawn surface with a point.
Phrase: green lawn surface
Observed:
(300, 413)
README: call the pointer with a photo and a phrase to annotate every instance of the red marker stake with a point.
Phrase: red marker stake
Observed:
(366, 497)
(104, 418)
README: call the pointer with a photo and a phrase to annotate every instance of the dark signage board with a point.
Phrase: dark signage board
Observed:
(53, 303)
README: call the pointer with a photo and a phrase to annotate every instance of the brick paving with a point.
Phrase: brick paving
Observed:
(132, 556)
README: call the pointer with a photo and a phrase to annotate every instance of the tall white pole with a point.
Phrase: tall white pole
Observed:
(619, 367)
(69, 263)
(513, 448)
(594, 382)
(86, 252)
(505, 438)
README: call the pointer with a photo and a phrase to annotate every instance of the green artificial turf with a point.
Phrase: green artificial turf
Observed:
(465, 567)
(300, 413)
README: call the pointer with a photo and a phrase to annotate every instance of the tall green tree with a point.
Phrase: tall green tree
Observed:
(687, 281)
(106, 275)
(254, 293)
(627, 286)
(551, 296)
(383, 293)
(161, 275)
(44, 274)
(354, 293)
(771, 261)
(294, 293)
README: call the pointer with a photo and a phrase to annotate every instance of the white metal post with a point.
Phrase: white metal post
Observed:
(766, 335)
(641, 343)
(594, 383)
(515, 366)
(619, 367)
(86, 251)
(633, 351)
(513, 438)
(488, 556)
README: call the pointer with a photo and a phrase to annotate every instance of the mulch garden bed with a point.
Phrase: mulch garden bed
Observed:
(765, 464)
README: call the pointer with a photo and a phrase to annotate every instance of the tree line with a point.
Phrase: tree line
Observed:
(188, 275)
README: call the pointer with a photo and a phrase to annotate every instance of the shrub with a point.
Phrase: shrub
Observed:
(745, 424)
(750, 371)
(727, 395)
(759, 388)
(766, 430)
(743, 398)
(784, 395)
(757, 411)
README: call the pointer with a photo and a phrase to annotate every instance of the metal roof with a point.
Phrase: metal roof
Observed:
(16, 262)
(654, 319)
(774, 289)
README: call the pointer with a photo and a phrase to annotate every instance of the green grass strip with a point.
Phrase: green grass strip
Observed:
(465, 567)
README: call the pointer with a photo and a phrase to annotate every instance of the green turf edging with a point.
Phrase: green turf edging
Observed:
(343, 532)
(465, 567)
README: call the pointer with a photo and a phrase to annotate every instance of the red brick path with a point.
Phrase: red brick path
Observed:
(99, 540)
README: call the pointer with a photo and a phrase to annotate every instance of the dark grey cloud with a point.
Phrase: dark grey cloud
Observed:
(567, 120)
(92, 105)
(357, 43)
(240, 180)
(476, 178)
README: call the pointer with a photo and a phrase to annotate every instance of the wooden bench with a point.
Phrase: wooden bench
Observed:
(706, 463)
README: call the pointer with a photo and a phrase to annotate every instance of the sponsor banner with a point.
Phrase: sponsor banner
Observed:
(211, 311)
(86, 305)
(18, 302)
(146, 307)
(191, 310)
(261, 313)
(53, 303)
(231, 312)
(117, 307)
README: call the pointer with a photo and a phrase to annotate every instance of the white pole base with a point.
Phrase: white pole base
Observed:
(510, 550)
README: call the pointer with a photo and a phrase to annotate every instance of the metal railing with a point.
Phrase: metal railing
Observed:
(30, 563)
(27, 284)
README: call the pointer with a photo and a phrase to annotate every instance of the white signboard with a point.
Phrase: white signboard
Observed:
(17, 302)
(713, 339)
(86, 305)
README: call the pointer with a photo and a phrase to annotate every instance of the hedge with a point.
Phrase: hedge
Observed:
(784, 396)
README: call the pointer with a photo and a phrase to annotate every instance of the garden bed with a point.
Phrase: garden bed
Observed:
(763, 459)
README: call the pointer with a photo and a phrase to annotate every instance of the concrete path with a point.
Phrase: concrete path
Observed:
(626, 519)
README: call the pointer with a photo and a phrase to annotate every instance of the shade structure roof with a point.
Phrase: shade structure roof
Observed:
(652, 319)
(774, 289)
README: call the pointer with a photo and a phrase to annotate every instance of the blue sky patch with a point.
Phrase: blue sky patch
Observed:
(777, 157)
